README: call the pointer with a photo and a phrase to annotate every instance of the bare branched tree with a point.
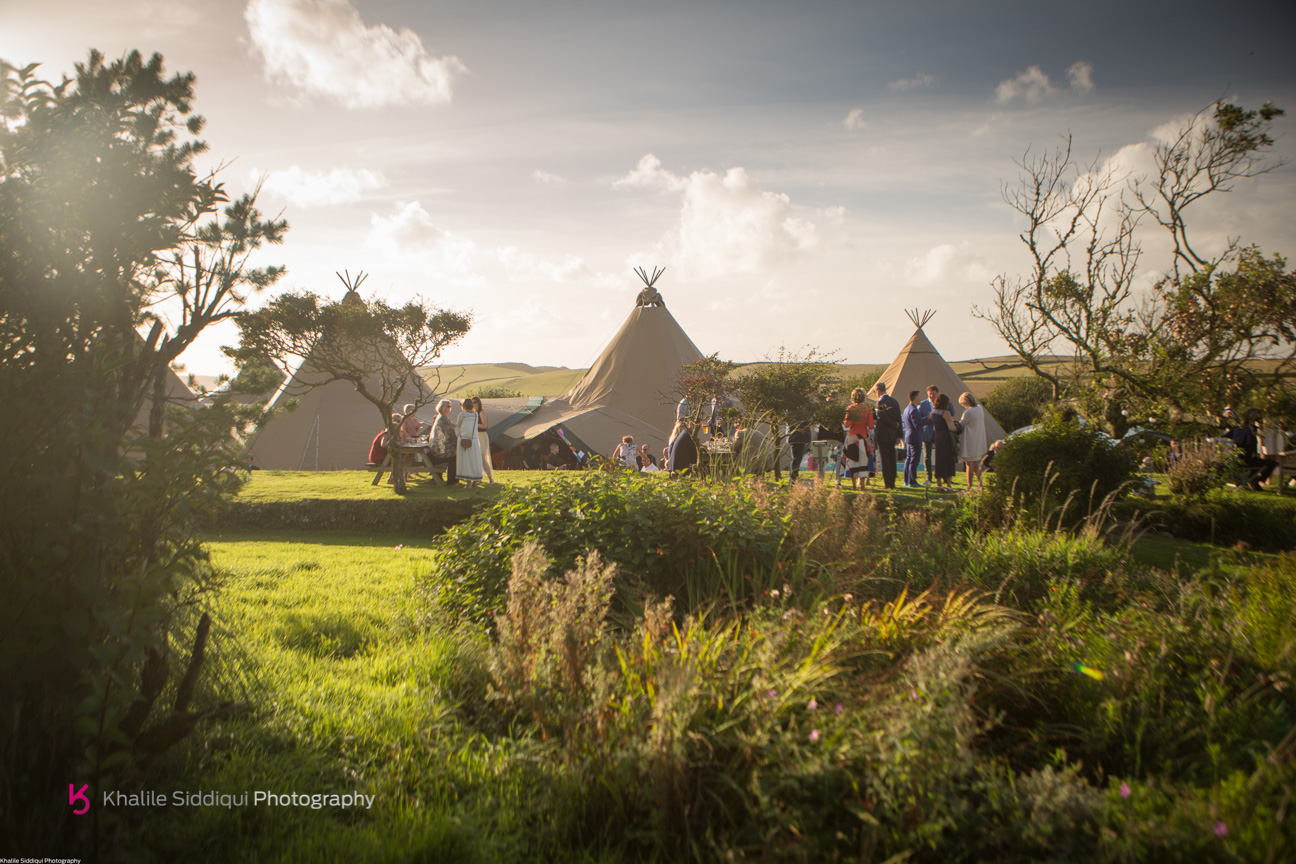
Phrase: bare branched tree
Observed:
(1190, 342)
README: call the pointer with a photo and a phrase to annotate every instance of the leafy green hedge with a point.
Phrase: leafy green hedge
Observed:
(1060, 461)
(1225, 518)
(666, 538)
(426, 517)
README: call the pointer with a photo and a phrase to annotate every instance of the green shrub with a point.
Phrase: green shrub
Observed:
(666, 538)
(1019, 401)
(868, 545)
(1020, 566)
(1203, 466)
(1061, 470)
(1223, 517)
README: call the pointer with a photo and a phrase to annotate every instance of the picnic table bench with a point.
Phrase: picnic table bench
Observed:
(416, 448)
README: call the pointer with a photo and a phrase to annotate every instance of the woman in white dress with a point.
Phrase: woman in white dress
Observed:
(468, 458)
(483, 438)
(972, 442)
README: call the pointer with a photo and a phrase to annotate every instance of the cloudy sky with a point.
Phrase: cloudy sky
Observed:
(804, 172)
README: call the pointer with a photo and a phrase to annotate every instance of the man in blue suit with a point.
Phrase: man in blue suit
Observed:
(925, 408)
(913, 423)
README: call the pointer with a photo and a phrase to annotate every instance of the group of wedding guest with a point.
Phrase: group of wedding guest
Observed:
(931, 430)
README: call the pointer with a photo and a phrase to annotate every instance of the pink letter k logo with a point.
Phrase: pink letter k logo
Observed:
(79, 795)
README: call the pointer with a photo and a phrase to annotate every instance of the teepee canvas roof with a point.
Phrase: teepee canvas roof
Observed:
(333, 426)
(621, 394)
(919, 365)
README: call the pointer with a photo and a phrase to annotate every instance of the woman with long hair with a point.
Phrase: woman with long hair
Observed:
(972, 443)
(468, 457)
(682, 453)
(483, 438)
(942, 420)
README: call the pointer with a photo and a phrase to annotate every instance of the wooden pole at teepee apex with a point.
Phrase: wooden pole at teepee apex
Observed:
(920, 319)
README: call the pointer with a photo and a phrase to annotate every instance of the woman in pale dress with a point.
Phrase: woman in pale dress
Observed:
(468, 458)
(972, 443)
(484, 439)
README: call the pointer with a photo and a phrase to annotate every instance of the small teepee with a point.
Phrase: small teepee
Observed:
(333, 425)
(920, 365)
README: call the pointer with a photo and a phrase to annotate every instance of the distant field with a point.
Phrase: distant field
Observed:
(458, 381)
(980, 375)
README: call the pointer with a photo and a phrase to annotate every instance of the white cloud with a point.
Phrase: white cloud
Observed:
(322, 47)
(547, 177)
(649, 174)
(855, 119)
(922, 79)
(727, 224)
(944, 263)
(522, 266)
(1032, 84)
(412, 233)
(1080, 76)
(321, 188)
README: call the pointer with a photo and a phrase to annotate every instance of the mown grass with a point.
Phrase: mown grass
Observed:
(344, 697)
(356, 485)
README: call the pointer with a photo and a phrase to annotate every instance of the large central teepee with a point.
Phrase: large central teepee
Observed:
(621, 394)
(919, 365)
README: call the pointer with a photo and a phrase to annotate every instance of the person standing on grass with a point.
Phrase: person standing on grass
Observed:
(468, 456)
(887, 432)
(682, 452)
(942, 420)
(858, 424)
(799, 439)
(443, 442)
(914, 425)
(483, 438)
(925, 409)
(972, 443)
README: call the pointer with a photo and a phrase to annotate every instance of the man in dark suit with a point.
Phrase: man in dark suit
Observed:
(887, 432)
(913, 422)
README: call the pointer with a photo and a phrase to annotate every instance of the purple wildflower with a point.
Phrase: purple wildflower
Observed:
(1220, 829)
(814, 703)
(839, 709)
(814, 736)
(1124, 790)
(772, 693)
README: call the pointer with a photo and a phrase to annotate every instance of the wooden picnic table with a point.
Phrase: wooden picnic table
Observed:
(416, 448)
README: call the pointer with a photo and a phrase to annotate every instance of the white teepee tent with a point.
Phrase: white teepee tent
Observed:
(919, 365)
(333, 425)
(621, 394)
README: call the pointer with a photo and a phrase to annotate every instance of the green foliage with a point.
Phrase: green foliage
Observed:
(103, 220)
(1223, 517)
(1201, 467)
(1019, 401)
(1062, 469)
(487, 391)
(662, 536)
(702, 381)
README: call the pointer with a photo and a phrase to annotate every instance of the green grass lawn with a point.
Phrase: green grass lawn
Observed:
(356, 485)
(345, 696)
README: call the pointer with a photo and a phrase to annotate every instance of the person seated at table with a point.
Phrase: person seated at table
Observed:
(555, 460)
(443, 442)
(409, 433)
